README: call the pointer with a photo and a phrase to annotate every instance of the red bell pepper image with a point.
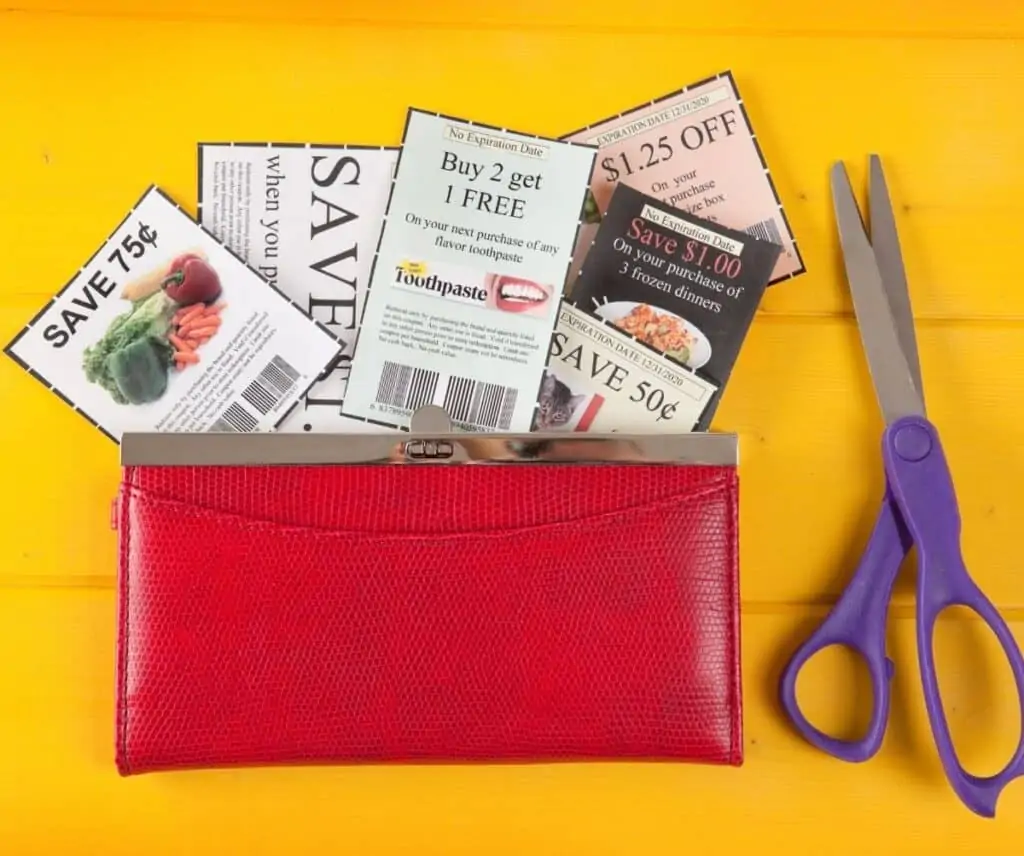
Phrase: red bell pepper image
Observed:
(191, 279)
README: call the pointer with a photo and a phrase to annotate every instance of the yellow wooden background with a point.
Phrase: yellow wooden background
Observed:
(102, 97)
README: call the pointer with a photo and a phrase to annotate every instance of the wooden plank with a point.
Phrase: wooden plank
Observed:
(988, 18)
(944, 115)
(800, 399)
(60, 791)
(810, 457)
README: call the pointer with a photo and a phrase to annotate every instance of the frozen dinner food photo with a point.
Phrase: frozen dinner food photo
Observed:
(662, 330)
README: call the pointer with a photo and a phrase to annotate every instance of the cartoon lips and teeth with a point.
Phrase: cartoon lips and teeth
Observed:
(519, 295)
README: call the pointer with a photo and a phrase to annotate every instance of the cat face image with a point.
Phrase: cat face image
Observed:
(555, 405)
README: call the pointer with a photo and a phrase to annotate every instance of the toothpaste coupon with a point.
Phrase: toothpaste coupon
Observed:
(695, 150)
(598, 379)
(307, 217)
(164, 329)
(465, 285)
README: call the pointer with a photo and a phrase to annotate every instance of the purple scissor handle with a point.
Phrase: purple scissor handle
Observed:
(858, 621)
(921, 484)
(919, 509)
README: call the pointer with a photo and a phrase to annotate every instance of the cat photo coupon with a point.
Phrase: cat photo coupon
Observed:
(675, 283)
(598, 379)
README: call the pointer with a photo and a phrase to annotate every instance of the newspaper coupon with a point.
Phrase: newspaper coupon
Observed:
(598, 379)
(307, 217)
(695, 150)
(164, 329)
(465, 286)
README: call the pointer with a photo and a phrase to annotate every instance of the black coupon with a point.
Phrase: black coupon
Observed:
(682, 286)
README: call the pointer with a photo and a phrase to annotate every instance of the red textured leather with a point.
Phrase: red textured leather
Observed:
(427, 613)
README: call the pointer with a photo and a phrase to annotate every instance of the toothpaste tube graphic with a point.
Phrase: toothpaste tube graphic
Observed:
(498, 291)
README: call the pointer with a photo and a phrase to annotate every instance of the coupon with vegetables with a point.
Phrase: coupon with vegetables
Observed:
(465, 285)
(164, 329)
(676, 284)
(307, 218)
(696, 150)
(599, 379)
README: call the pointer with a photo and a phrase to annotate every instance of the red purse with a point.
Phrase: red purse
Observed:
(426, 597)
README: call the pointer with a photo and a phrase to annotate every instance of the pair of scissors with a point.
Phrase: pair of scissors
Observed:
(919, 508)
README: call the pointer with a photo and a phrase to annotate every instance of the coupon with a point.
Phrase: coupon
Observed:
(165, 329)
(465, 284)
(599, 379)
(694, 149)
(675, 283)
(307, 217)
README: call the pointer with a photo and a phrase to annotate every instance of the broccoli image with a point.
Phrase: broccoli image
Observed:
(133, 358)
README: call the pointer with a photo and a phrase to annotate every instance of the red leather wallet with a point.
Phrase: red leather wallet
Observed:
(316, 598)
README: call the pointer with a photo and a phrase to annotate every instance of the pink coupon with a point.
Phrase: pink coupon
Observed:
(695, 150)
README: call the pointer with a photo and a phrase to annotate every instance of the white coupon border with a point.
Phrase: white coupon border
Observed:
(729, 78)
(153, 188)
(387, 212)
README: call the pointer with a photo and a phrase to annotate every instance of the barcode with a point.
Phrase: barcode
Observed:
(236, 418)
(478, 403)
(406, 387)
(273, 383)
(766, 230)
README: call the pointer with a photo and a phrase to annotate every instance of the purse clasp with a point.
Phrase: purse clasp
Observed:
(433, 450)
(430, 420)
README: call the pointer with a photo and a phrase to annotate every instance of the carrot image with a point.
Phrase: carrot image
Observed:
(193, 326)
(198, 322)
(183, 315)
(205, 330)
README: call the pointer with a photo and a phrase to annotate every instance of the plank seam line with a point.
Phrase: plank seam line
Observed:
(1011, 32)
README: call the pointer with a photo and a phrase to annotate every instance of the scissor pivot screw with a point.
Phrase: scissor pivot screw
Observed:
(912, 443)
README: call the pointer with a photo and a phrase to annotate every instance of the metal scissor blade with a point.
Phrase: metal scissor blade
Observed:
(886, 245)
(890, 371)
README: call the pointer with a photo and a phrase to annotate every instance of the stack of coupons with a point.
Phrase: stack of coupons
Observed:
(602, 281)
